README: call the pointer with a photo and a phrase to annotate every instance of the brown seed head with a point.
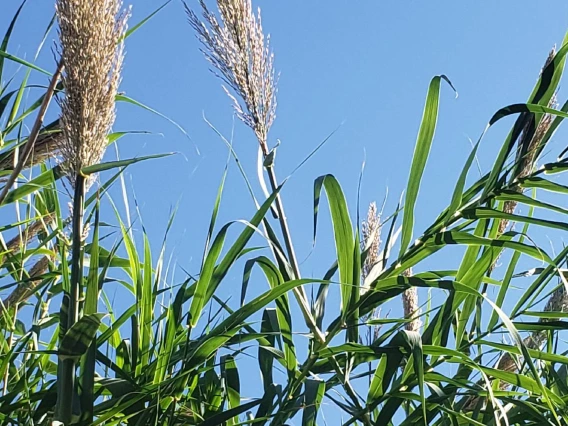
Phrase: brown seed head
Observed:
(25, 289)
(527, 149)
(21, 240)
(558, 302)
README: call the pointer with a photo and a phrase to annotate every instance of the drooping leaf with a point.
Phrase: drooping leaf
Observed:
(79, 337)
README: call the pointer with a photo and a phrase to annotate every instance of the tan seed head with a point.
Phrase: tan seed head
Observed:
(90, 33)
(241, 56)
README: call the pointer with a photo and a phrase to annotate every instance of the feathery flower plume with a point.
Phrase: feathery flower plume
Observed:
(92, 54)
(410, 305)
(528, 146)
(26, 289)
(371, 241)
(241, 57)
(558, 302)
(45, 147)
(527, 160)
(15, 245)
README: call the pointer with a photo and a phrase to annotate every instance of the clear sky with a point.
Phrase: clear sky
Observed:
(364, 63)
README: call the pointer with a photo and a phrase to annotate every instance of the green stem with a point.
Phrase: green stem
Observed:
(299, 292)
(284, 224)
(67, 389)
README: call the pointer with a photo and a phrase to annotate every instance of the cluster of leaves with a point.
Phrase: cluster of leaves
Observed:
(156, 362)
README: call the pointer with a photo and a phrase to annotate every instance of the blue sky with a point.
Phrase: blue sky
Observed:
(366, 64)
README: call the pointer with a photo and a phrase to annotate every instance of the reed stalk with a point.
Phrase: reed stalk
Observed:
(92, 54)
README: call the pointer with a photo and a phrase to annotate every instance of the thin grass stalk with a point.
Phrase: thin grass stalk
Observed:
(284, 223)
(299, 292)
(29, 146)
